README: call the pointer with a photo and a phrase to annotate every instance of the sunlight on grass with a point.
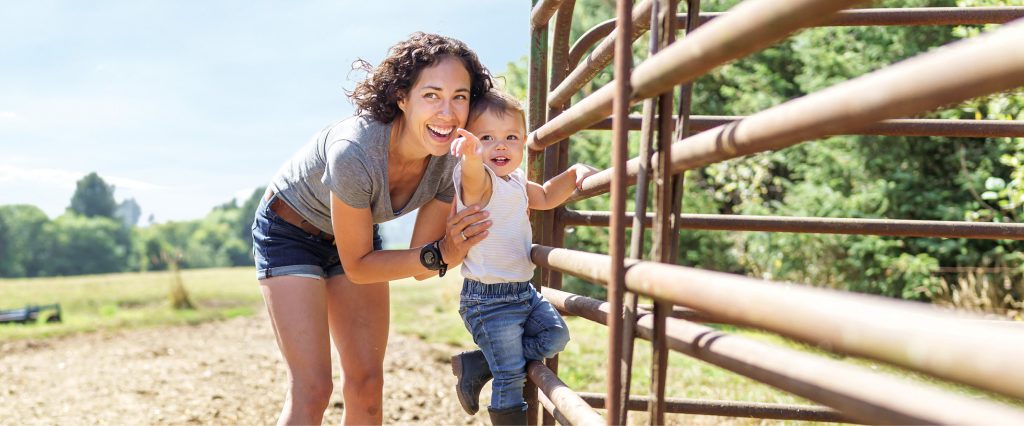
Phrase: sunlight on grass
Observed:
(113, 301)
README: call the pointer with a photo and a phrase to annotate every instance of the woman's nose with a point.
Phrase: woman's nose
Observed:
(445, 110)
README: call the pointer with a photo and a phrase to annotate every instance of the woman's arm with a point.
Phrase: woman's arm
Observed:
(353, 230)
(431, 223)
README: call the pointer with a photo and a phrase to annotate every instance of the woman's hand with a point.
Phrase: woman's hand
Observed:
(464, 230)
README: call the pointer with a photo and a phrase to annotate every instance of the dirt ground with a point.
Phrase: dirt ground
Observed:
(227, 372)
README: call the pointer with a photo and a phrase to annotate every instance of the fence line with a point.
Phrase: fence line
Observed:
(953, 346)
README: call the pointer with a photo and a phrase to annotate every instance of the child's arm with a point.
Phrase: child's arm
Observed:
(475, 187)
(558, 189)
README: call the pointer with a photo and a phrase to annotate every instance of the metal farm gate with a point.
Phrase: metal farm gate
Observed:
(905, 334)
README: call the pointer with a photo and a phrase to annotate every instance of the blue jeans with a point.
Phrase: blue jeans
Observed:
(512, 324)
(280, 248)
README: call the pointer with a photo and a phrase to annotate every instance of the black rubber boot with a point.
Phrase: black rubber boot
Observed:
(473, 373)
(508, 416)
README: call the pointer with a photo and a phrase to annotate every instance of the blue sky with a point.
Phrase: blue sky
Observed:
(184, 105)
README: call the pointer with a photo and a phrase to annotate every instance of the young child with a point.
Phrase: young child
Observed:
(508, 319)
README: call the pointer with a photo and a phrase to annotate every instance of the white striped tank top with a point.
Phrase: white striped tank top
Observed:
(504, 256)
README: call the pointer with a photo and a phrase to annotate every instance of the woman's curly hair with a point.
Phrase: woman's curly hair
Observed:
(378, 94)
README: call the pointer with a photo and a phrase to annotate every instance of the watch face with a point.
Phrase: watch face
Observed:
(429, 258)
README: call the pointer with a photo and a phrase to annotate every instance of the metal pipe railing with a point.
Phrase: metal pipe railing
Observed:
(821, 225)
(616, 240)
(552, 229)
(910, 16)
(895, 127)
(903, 333)
(599, 58)
(542, 12)
(537, 90)
(926, 16)
(564, 400)
(857, 392)
(918, 84)
(753, 25)
(647, 135)
(704, 407)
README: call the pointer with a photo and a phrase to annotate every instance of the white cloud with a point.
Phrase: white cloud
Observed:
(48, 177)
(8, 116)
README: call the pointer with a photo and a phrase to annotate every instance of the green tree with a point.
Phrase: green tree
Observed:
(93, 197)
(85, 245)
(25, 240)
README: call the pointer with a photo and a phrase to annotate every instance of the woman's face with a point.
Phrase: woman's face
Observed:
(436, 105)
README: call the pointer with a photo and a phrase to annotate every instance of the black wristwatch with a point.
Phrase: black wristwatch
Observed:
(430, 257)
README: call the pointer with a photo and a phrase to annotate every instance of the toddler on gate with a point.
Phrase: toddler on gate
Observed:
(508, 319)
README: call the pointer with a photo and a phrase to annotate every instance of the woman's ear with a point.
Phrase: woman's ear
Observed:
(401, 102)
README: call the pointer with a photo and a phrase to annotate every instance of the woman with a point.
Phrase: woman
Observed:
(316, 242)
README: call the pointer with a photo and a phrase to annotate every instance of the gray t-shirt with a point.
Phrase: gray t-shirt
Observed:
(350, 159)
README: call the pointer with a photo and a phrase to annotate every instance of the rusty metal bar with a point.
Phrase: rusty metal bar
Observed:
(692, 315)
(822, 225)
(637, 236)
(554, 230)
(551, 410)
(918, 84)
(855, 17)
(906, 334)
(599, 58)
(566, 402)
(542, 12)
(914, 16)
(896, 127)
(707, 407)
(597, 33)
(753, 25)
(665, 201)
(537, 107)
(620, 139)
(553, 162)
(861, 394)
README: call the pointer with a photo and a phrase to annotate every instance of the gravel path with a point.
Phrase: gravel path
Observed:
(227, 372)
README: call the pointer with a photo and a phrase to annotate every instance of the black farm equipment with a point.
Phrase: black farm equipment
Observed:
(30, 314)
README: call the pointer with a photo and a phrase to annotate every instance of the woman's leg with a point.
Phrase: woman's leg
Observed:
(299, 316)
(359, 318)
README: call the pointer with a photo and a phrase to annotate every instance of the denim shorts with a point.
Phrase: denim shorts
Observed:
(281, 248)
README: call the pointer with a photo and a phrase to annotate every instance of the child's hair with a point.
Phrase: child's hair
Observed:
(499, 103)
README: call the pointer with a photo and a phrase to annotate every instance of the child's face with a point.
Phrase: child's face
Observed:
(502, 139)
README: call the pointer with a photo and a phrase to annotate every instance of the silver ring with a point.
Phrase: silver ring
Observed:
(463, 234)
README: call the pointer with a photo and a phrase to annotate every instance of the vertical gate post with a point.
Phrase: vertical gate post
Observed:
(620, 138)
(536, 116)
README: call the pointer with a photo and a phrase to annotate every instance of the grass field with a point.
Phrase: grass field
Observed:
(114, 301)
(425, 309)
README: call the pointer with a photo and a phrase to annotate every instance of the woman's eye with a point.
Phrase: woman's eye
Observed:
(461, 97)
(430, 96)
